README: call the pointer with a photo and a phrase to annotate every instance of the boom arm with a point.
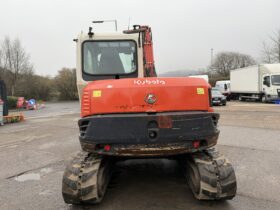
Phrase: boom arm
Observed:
(147, 44)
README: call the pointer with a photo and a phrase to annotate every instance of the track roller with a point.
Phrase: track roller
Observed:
(210, 176)
(85, 179)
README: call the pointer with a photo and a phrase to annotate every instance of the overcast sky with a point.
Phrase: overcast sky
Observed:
(184, 31)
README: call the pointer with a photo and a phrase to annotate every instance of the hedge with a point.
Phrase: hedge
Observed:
(12, 102)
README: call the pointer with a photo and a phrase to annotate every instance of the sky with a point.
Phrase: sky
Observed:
(184, 31)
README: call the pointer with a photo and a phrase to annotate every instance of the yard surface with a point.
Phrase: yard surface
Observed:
(34, 153)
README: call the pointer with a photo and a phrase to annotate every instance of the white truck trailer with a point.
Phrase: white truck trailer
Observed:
(260, 82)
(202, 76)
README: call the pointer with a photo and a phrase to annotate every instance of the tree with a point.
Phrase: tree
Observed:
(15, 60)
(267, 53)
(65, 83)
(226, 61)
(276, 46)
(21, 80)
(2, 69)
(271, 49)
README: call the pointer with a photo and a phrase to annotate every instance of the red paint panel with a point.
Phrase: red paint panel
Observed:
(128, 95)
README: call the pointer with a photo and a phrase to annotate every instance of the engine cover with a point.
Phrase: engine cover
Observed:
(146, 95)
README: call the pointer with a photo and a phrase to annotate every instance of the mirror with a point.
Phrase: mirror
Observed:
(266, 81)
(225, 86)
(268, 84)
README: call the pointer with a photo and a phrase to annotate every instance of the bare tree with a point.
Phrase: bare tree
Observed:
(271, 49)
(276, 46)
(15, 60)
(19, 76)
(226, 61)
(267, 53)
(2, 70)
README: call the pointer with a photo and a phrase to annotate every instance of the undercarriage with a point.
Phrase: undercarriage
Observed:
(188, 137)
(209, 175)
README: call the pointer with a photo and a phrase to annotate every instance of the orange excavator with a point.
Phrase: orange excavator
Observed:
(128, 112)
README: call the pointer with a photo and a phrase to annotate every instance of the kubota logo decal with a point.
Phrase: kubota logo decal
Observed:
(149, 82)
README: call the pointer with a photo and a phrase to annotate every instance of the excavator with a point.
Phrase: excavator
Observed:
(128, 112)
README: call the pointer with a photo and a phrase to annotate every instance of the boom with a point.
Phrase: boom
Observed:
(145, 38)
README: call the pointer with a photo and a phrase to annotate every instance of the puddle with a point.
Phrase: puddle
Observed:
(46, 170)
(28, 177)
(12, 146)
(47, 145)
(46, 192)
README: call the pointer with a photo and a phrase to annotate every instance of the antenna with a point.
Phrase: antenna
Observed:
(128, 23)
(212, 50)
(103, 21)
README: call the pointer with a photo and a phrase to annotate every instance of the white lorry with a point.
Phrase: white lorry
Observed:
(260, 82)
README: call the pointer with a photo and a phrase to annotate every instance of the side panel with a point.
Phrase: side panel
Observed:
(245, 80)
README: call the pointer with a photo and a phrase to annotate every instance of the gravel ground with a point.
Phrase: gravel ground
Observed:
(34, 154)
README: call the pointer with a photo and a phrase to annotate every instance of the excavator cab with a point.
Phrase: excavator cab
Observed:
(114, 55)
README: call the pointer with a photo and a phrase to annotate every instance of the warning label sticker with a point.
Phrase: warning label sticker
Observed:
(96, 93)
(200, 91)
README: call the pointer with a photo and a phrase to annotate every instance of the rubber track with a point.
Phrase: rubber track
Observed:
(217, 177)
(79, 183)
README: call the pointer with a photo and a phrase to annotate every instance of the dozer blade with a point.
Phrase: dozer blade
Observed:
(210, 176)
(85, 179)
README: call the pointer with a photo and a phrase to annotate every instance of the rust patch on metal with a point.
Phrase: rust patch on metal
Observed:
(88, 146)
(148, 150)
(164, 121)
(124, 107)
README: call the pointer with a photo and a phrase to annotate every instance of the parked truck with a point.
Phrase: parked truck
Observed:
(224, 87)
(259, 82)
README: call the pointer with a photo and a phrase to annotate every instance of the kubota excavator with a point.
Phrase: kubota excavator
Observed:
(129, 112)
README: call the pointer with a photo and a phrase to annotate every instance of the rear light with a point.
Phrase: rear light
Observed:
(196, 144)
(107, 148)
(210, 97)
(85, 104)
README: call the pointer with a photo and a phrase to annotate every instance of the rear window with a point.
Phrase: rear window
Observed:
(109, 57)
